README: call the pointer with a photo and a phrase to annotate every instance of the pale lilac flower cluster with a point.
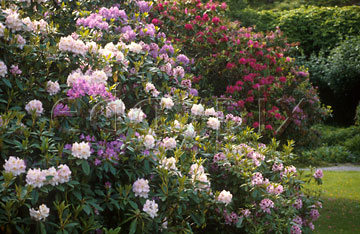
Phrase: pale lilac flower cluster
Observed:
(136, 115)
(40, 26)
(288, 171)
(181, 58)
(257, 179)
(256, 157)
(167, 49)
(93, 21)
(144, 6)
(274, 188)
(41, 214)
(61, 110)
(151, 208)
(149, 87)
(3, 69)
(314, 214)
(141, 188)
(298, 203)
(81, 150)
(230, 219)
(91, 77)
(179, 72)
(318, 174)
(52, 87)
(20, 41)
(245, 213)
(113, 13)
(15, 166)
(219, 157)
(277, 167)
(116, 107)
(128, 34)
(81, 88)
(109, 150)
(187, 84)
(34, 106)
(298, 220)
(295, 229)
(236, 119)
(266, 204)
(225, 197)
(68, 44)
(14, 69)
(37, 177)
(148, 30)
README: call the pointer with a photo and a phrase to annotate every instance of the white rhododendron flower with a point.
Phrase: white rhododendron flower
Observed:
(151, 208)
(55, 176)
(52, 87)
(13, 21)
(136, 115)
(196, 169)
(167, 102)
(81, 150)
(34, 105)
(141, 188)
(41, 214)
(204, 183)
(213, 123)
(69, 44)
(169, 164)
(3, 69)
(197, 109)
(225, 197)
(149, 141)
(169, 143)
(15, 165)
(35, 177)
(64, 173)
(190, 131)
(98, 77)
(134, 47)
(210, 112)
(2, 29)
(116, 107)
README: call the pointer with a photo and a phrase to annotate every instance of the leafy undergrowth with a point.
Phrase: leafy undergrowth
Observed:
(333, 145)
(341, 202)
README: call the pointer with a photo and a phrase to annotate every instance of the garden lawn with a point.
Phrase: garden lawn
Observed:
(341, 203)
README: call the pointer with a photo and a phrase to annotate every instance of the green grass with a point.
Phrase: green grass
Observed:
(341, 203)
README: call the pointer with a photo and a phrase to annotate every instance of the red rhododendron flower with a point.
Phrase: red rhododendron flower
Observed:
(230, 65)
(269, 127)
(205, 17)
(242, 61)
(250, 99)
(188, 27)
(215, 20)
(256, 124)
(223, 5)
(282, 79)
(155, 21)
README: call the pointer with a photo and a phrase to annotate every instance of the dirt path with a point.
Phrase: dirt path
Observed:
(342, 167)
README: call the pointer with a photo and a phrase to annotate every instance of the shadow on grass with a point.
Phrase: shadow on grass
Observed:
(339, 215)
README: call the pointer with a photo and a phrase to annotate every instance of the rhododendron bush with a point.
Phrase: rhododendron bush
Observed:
(102, 131)
(254, 69)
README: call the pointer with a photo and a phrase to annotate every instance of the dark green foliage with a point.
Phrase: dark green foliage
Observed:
(335, 145)
(315, 27)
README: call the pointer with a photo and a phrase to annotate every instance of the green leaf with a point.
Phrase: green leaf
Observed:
(85, 167)
(239, 222)
(35, 196)
(133, 227)
(42, 228)
(7, 82)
